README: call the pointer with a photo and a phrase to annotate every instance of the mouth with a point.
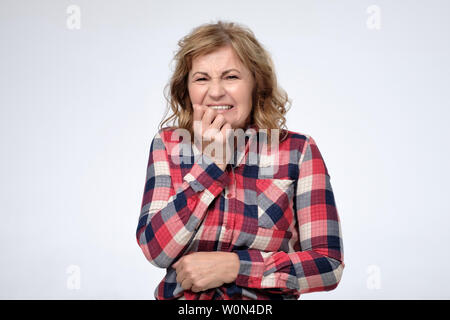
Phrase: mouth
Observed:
(221, 107)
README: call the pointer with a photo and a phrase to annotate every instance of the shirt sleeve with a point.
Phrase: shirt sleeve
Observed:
(169, 219)
(319, 264)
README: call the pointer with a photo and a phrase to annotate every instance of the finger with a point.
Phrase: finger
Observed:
(198, 126)
(194, 288)
(211, 133)
(186, 284)
(218, 122)
(227, 131)
(178, 263)
(180, 268)
(199, 110)
(181, 275)
(208, 117)
(214, 128)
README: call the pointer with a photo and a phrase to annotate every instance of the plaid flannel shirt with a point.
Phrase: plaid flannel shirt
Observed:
(282, 223)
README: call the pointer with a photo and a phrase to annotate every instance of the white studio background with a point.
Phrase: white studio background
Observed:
(81, 96)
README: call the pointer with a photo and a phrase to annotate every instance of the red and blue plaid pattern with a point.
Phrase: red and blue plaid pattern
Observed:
(279, 218)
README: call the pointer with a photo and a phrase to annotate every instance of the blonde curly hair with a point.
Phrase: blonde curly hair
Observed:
(270, 102)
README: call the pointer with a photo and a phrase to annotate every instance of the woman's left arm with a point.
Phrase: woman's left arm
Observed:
(319, 264)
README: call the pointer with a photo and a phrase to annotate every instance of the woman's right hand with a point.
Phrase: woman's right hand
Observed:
(210, 127)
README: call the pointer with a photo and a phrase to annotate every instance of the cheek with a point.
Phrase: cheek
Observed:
(196, 93)
(242, 94)
(243, 97)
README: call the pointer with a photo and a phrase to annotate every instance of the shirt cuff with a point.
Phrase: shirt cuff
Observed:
(251, 270)
(205, 174)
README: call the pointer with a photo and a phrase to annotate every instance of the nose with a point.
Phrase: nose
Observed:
(216, 89)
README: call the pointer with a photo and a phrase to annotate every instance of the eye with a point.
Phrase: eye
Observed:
(229, 77)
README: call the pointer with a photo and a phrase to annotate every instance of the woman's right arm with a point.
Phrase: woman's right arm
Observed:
(169, 219)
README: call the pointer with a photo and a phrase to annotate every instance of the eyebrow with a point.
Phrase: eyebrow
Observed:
(223, 73)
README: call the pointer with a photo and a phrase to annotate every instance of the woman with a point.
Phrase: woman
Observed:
(236, 221)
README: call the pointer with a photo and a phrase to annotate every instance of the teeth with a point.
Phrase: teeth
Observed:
(221, 107)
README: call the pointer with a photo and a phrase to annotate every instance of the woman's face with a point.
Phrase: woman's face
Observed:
(220, 78)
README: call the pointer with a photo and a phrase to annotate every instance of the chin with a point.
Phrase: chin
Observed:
(235, 126)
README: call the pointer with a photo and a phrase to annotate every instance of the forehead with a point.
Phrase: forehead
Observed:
(218, 60)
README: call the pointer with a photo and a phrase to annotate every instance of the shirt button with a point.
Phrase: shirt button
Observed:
(229, 195)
